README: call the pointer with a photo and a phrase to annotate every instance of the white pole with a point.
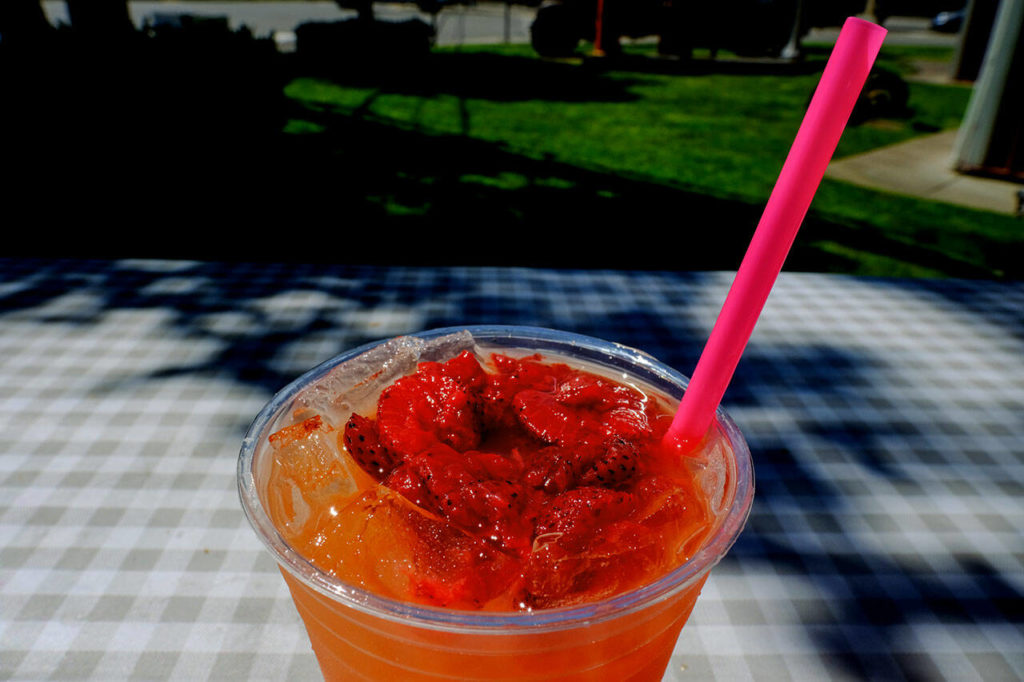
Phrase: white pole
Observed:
(792, 48)
(976, 128)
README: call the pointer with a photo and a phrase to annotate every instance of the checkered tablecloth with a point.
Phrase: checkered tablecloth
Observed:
(886, 418)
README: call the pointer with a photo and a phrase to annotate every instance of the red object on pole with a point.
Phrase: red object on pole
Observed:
(599, 28)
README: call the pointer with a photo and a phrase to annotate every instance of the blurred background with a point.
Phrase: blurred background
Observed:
(568, 133)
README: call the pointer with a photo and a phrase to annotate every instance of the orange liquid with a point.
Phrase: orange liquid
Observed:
(344, 522)
(352, 645)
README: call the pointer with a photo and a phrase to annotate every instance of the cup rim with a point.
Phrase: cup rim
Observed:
(455, 620)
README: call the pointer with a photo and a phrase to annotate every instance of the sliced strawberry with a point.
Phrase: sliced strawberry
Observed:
(465, 369)
(627, 421)
(363, 444)
(615, 467)
(456, 570)
(665, 502)
(439, 403)
(585, 389)
(492, 510)
(407, 480)
(530, 372)
(510, 376)
(425, 477)
(459, 487)
(620, 410)
(571, 518)
(546, 418)
(497, 466)
(552, 469)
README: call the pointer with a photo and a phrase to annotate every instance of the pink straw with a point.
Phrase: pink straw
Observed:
(830, 108)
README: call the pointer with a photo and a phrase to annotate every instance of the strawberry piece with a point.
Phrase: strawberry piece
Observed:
(552, 470)
(546, 418)
(621, 410)
(466, 370)
(407, 480)
(621, 557)
(583, 412)
(363, 444)
(510, 376)
(501, 467)
(460, 488)
(615, 467)
(583, 548)
(572, 517)
(423, 478)
(628, 421)
(439, 403)
(591, 390)
(492, 510)
(530, 372)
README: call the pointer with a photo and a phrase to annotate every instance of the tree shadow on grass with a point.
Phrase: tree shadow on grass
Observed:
(364, 191)
(467, 201)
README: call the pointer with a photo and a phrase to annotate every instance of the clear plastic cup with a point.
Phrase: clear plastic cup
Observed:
(358, 635)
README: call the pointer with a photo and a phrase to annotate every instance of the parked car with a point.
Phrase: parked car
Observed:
(914, 8)
(949, 22)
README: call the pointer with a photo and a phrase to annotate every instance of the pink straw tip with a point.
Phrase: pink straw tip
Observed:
(841, 83)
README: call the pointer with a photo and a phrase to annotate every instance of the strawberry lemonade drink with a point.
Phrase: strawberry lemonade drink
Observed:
(492, 503)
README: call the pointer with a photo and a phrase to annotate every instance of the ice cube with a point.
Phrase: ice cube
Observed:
(672, 510)
(308, 468)
(382, 542)
(354, 385)
(715, 473)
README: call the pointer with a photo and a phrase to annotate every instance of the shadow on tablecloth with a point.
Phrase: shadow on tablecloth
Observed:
(884, 417)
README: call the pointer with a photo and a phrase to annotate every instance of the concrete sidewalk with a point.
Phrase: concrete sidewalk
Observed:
(923, 168)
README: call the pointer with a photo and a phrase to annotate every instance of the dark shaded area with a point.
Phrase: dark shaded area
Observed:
(364, 45)
(485, 75)
(322, 194)
(810, 526)
(170, 143)
(885, 95)
(978, 22)
(874, 598)
(1007, 315)
(752, 28)
(104, 132)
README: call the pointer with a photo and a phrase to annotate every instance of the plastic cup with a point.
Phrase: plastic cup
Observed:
(358, 635)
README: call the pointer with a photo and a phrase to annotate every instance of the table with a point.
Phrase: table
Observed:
(886, 418)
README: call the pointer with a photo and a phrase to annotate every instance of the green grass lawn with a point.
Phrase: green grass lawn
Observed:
(716, 135)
